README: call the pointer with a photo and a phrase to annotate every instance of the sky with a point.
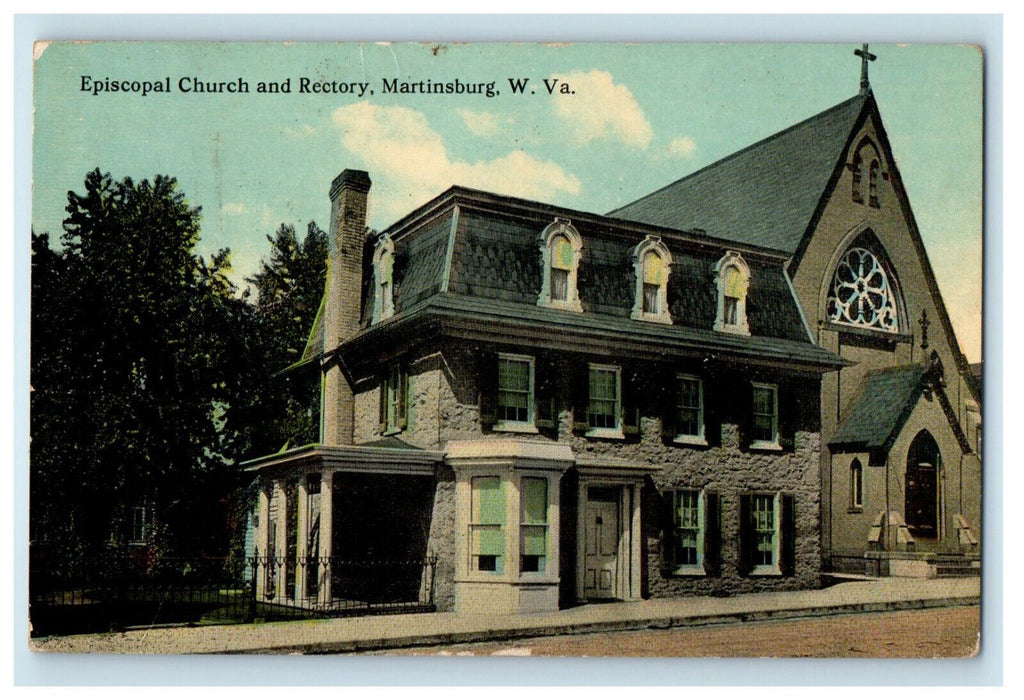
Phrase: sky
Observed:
(638, 116)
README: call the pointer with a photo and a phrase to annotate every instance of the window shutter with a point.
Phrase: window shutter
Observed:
(746, 535)
(668, 558)
(382, 411)
(630, 409)
(669, 399)
(712, 534)
(786, 410)
(580, 397)
(403, 399)
(488, 375)
(745, 408)
(546, 413)
(787, 552)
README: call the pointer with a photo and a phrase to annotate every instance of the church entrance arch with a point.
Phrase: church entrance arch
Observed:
(922, 480)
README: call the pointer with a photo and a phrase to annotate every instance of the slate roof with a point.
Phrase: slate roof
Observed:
(882, 406)
(766, 194)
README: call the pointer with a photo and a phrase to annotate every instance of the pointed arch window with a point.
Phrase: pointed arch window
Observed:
(652, 264)
(383, 280)
(863, 292)
(561, 247)
(856, 486)
(866, 166)
(733, 280)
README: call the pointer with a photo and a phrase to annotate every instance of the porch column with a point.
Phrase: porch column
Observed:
(281, 545)
(262, 535)
(301, 538)
(326, 536)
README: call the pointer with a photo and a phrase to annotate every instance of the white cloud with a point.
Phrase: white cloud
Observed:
(398, 145)
(233, 208)
(481, 123)
(600, 109)
(682, 146)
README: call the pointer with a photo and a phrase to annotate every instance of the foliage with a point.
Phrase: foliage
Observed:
(153, 375)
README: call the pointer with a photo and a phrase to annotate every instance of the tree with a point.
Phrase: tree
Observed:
(134, 343)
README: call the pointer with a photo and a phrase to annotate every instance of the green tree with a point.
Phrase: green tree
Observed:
(134, 344)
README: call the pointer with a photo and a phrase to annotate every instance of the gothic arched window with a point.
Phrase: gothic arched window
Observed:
(863, 291)
(561, 247)
(652, 263)
(866, 168)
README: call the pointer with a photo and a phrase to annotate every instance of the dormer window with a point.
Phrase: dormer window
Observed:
(383, 280)
(652, 263)
(733, 279)
(561, 246)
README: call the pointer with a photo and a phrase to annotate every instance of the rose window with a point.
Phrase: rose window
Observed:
(861, 293)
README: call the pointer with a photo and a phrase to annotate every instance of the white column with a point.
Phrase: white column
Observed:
(326, 535)
(281, 546)
(261, 536)
(301, 537)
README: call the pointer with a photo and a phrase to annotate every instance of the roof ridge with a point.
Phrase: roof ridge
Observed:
(746, 149)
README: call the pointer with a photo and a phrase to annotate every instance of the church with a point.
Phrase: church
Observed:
(744, 381)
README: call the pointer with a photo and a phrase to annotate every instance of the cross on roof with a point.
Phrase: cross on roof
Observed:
(865, 56)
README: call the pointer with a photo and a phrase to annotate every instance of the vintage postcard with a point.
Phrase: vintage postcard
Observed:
(521, 349)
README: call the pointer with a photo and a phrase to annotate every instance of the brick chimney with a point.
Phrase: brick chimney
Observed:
(344, 292)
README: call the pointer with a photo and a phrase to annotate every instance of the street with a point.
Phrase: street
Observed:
(940, 632)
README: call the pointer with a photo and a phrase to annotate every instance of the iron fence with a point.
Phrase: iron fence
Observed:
(120, 591)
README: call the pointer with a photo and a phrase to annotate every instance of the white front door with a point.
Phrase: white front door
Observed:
(602, 548)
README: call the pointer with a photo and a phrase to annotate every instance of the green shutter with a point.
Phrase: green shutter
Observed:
(488, 378)
(712, 534)
(534, 500)
(788, 545)
(747, 539)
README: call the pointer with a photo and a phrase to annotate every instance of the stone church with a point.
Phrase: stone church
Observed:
(741, 382)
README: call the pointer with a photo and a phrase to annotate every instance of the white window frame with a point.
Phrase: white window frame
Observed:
(530, 424)
(775, 568)
(383, 270)
(616, 430)
(146, 525)
(732, 260)
(651, 245)
(686, 438)
(772, 444)
(698, 567)
(560, 227)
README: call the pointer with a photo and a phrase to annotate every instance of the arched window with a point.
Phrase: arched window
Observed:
(652, 264)
(561, 246)
(863, 292)
(383, 280)
(856, 485)
(866, 166)
(733, 281)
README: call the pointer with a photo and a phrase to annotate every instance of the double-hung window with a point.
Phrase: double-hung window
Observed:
(765, 418)
(515, 408)
(688, 530)
(533, 524)
(689, 409)
(604, 406)
(765, 524)
(486, 529)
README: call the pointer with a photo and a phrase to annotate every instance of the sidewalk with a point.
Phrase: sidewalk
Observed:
(393, 631)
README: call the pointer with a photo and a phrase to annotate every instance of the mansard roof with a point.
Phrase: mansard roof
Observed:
(472, 257)
(766, 194)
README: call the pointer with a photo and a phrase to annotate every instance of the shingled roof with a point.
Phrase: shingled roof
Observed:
(882, 406)
(766, 194)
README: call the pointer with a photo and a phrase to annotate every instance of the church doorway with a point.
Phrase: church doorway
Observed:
(922, 497)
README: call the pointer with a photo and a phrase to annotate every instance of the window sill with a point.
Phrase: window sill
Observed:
(653, 318)
(765, 446)
(733, 330)
(688, 571)
(605, 433)
(773, 570)
(392, 431)
(575, 306)
(692, 440)
(528, 428)
(855, 509)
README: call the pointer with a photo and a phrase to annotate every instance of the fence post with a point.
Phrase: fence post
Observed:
(252, 586)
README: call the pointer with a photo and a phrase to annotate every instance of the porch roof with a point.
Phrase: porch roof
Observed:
(388, 456)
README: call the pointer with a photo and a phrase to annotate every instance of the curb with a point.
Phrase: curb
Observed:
(655, 623)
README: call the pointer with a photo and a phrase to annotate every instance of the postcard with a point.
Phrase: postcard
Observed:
(506, 349)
